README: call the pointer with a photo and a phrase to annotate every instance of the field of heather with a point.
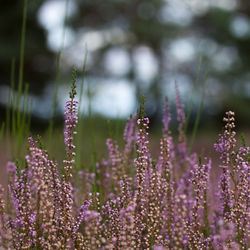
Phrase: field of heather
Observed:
(149, 149)
(129, 200)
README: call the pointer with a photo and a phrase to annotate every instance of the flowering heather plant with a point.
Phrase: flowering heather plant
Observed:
(71, 119)
(142, 203)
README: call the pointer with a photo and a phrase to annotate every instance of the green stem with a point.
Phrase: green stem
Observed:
(190, 106)
(197, 119)
(20, 81)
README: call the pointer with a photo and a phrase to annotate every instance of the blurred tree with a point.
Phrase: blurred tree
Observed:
(172, 33)
(38, 58)
(220, 35)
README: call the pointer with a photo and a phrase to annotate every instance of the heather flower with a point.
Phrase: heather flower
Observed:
(11, 167)
(226, 142)
(127, 229)
(233, 195)
(142, 204)
(200, 177)
(12, 172)
(225, 195)
(82, 214)
(128, 134)
(224, 238)
(129, 140)
(167, 153)
(143, 160)
(114, 168)
(240, 210)
(166, 118)
(199, 180)
(181, 118)
(71, 120)
(115, 162)
(2, 216)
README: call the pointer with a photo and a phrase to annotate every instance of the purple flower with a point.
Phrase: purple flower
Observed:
(71, 120)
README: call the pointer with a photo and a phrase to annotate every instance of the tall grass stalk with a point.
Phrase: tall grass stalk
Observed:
(80, 124)
(243, 140)
(190, 105)
(9, 108)
(24, 123)
(12, 98)
(198, 115)
(93, 155)
(16, 102)
(22, 45)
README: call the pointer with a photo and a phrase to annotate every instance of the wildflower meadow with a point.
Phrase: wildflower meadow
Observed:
(130, 200)
(133, 198)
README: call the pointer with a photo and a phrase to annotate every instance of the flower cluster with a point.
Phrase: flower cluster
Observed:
(71, 120)
(131, 201)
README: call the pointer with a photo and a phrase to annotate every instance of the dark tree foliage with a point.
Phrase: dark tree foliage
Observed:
(140, 22)
(38, 60)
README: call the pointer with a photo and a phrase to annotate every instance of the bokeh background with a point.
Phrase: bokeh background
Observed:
(133, 47)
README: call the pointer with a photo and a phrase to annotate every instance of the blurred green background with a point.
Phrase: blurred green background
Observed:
(133, 47)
